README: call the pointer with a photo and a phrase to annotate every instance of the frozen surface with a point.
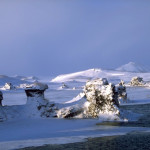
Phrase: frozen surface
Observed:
(14, 97)
(36, 132)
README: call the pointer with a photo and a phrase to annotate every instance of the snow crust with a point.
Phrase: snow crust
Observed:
(37, 132)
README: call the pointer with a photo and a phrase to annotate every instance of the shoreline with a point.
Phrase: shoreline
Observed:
(130, 141)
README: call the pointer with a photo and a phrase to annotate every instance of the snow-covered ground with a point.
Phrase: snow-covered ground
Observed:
(24, 132)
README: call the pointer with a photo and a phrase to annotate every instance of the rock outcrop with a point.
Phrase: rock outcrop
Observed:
(36, 102)
(122, 93)
(8, 86)
(98, 98)
(101, 97)
(137, 81)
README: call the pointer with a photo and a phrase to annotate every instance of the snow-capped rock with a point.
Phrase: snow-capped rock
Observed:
(98, 99)
(63, 86)
(37, 86)
(8, 86)
(102, 98)
(133, 67)
(137, 81)
(122, 93)
(36, 90)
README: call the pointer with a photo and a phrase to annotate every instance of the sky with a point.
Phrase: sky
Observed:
(52, 37)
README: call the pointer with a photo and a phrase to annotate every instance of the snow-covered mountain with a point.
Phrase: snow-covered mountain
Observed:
(133, 67)
(125, 73)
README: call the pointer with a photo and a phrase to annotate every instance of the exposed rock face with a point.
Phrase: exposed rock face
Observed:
(70, 112)
(137, 81)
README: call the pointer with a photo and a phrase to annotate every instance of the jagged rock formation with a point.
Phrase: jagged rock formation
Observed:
(122, 94)
(102, 97)
(137, 81)
(98, 98)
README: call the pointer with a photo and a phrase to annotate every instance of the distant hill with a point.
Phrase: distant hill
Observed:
(79, 76)
(133, 67)
(30, 79)
(5, 79)
(16, 80)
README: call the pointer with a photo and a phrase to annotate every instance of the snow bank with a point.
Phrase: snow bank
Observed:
(137, 81)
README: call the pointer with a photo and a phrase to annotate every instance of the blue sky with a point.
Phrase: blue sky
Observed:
(50, 37)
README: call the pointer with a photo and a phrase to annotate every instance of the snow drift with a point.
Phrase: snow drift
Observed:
(82, 76)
